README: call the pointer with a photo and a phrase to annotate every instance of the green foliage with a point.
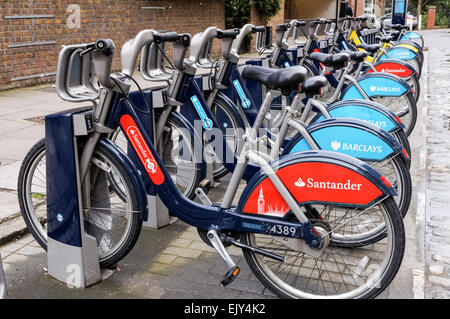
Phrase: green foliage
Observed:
(238, 11)
(267, 8)
(442, 10)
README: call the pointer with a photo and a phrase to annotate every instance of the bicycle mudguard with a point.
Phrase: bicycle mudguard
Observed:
(315, 177)
(133, 173)
(311, 66)
(376, 84)
(232, 107)
(399, 53)
(409, 43)
(397, 67)
(348, 136)
(365, 110)
(411, 35)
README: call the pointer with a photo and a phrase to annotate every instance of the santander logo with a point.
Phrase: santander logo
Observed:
(311, 183)
(394, 70)
(142, 149)
(149, 162)
(299, 183)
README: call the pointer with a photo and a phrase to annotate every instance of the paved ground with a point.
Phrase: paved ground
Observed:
(437, 197)
(174, 263)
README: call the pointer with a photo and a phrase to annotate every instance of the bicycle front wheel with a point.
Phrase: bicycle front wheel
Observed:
(178, 153)
(112, 216)
(336, 272)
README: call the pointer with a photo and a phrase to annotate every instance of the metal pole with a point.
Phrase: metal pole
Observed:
(3, 292)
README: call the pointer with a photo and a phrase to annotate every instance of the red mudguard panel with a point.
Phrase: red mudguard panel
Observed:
(140, 146)
(312, 181)
(393, 68)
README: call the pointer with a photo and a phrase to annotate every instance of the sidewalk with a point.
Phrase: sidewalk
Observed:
(173, 262)
(21, 118)
(437, 196)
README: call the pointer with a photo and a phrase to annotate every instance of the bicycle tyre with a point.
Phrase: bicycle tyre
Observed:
(261, 266)
(127, 241)
(411, 106)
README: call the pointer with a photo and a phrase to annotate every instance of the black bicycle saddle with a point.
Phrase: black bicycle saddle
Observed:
(285, 80)
(336, 61)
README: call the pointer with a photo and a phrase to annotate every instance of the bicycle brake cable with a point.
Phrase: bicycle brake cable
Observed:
(128, 98)
(165, 56)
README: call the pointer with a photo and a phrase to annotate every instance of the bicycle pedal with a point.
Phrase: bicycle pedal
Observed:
(230, 276)
(205, 185)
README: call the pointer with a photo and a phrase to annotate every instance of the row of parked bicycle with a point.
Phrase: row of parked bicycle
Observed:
(317, 128)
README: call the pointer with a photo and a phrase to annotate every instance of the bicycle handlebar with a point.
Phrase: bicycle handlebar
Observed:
(184, 39)
(103, 46)
(321, 21)
(230, 33)
(259, 29)
(283, 27)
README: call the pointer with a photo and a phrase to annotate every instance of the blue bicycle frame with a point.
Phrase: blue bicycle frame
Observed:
(205, 217)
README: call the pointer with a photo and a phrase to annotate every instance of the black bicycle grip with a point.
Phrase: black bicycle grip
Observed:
(315, 22)
(166, 37)
(284, 26)
(259, 29)
(230, 33)
(104, 46)
(301, 23)
(185, 39)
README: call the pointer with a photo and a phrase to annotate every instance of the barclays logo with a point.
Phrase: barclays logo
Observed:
(336, 145)
(374, 88)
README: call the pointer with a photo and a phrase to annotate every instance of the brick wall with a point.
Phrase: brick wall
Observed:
(256, 19)
(119, 20)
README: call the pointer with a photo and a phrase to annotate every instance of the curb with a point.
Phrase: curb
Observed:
(12, 229)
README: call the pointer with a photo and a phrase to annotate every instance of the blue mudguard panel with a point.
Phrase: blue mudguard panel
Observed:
(358, 109)
(399, 53)
(411, 35)
(376, 84)
(355, 138)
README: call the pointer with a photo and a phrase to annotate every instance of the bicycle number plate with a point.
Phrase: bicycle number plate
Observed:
(300, 52)
(323, 44)
(330, 42)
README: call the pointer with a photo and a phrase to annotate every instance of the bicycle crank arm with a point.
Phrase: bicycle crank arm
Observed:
(262, 252)
(233, 270)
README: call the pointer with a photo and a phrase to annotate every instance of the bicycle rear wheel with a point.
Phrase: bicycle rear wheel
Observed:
(403, 106)
(112, 217)
(335, 272)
